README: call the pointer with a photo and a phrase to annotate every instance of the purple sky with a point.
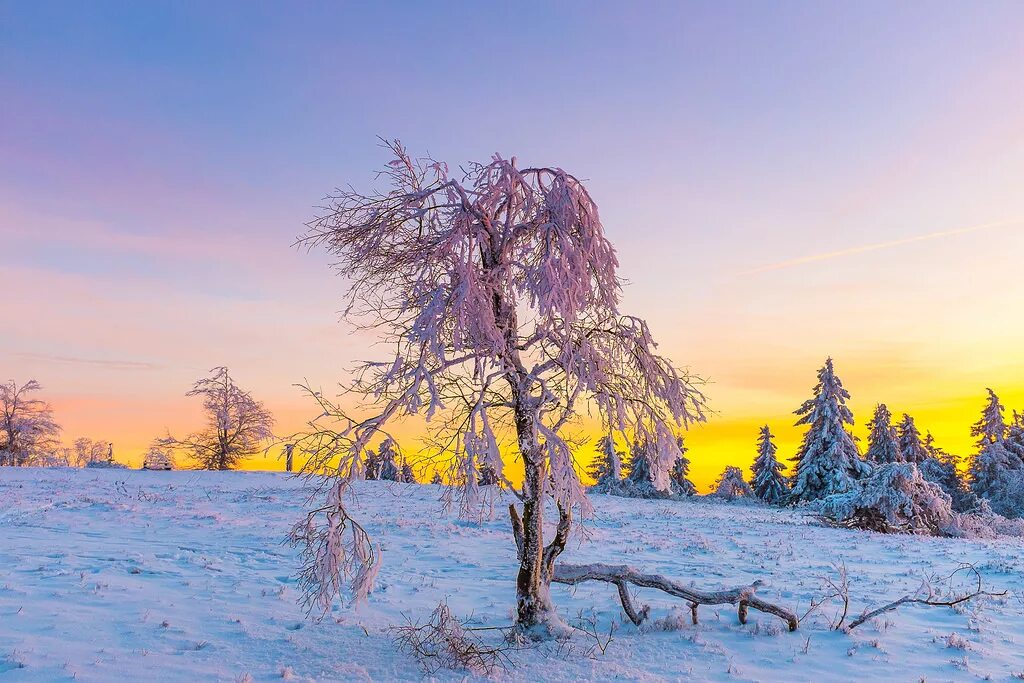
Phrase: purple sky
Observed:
(157, 160)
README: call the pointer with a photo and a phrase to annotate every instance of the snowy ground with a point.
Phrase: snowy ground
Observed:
(130, 575)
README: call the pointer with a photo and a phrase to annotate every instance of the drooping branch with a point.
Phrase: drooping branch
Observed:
(744, 596)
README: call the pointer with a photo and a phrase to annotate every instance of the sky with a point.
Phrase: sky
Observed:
(783, 182)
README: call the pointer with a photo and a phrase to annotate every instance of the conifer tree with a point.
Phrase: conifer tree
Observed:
(769, 484)
(991, 427)
(828, 461)
(436, 480)
(679, 482)
(882, 445)
(909, 440)
(639, 482)
(940, 467)
(371, 464)
(388, 461)
(606, 467)
(406, 475)
(487, 476)
(1014, 440)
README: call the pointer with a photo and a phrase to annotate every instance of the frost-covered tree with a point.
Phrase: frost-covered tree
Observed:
(371, 465)
(237, 425)
(941, 467)
(731, 484)
(894, 498)
(499, 294)
(1014, 439)
(405, 474)
(388, 456)
(909, 440)
(28, 431)
(991, 427)
(486, 475)
(882, 445)
(680, 484)
(768, 483)
(827, 461)
(606, 467)
(86, 451)
(436, 479)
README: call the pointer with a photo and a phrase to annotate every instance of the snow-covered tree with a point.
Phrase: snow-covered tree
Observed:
(941, 467)
(499, 293)
(371, 465)
(827, 461)
(388, 457)
(28, 431)
(1014, 440)
(894, 498)
(436, 479)
(680, 484)
(405, 474)
(606, 467)
(768, 483)
(882, 445)
(991, 427)
(909, 440)
(236, 424)
(639, 481)
(486, 475)
(731, 484)
(86, 451)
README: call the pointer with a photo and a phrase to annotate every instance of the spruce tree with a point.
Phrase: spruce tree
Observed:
(436, 479)
(680, 472)
(1014, 440)
(606, 467)
(406, 475)
(388, 461)
(991, 427)
(882, 446)
(638, 481)
(940, 467)
(909, 440)
(769, 484)
(372, 464)
(828, 461)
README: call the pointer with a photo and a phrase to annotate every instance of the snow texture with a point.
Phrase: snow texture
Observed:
(182, 576)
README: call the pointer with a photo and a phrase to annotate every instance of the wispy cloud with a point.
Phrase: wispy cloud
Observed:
(70, 360)
(824, 256)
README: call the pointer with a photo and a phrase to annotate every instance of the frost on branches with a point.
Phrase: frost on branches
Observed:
(894, 499)
(237, 424)
(882, 445)
(499, 294)
(769, 484)
(28, 432)
(997, 471)
(731, 485)
(828, 461)
(909, 440)
(606, 467)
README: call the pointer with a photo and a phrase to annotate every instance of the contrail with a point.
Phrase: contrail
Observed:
(813, 258)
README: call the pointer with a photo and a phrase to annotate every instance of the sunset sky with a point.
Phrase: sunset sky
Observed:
(783, 182)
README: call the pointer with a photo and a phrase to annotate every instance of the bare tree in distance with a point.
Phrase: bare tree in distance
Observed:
(237, 424)
(87, 451)
(499, 295)
(28, 432)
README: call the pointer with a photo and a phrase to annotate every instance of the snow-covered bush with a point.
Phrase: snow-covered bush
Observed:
(731, 485)
(895, 498)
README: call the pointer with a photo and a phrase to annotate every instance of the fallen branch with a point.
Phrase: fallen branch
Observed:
(744, 597)
(929, 597)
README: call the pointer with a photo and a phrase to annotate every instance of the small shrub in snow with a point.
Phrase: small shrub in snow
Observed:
(731, 485)
(444, 642)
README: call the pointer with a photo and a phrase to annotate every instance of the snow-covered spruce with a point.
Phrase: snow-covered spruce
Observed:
(827, 461)
(499, 294)
(882, 444)
(909, 441)
(769, 484)
(679, 481)
(731, 485)
(606, 467)
(388, 456)
(997, 470)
